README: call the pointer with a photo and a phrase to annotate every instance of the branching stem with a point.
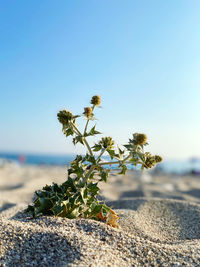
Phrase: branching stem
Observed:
(84, 140)
(99, 157)
(89, 172)
(88, 147)
(111, 162)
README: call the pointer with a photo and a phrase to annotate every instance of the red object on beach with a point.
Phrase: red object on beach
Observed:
(22, 158)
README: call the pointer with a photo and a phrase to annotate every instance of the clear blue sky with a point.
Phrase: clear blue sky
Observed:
(142, 57)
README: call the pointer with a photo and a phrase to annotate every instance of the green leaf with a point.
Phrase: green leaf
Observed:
(56, 188)
(141, 156)
(92, 132)
(104, 212)
(123, 169)
(90, 159)
(121, 152)
(96, 147)
(117, 156)
(78, 139)
(74, 214)
(111, 153)
(58, 209)
(91, 176)
(85, 194)
(31, 209)
(68, 132)
(128, 147)
(69, 184)
(97, 208)
(45, 203)
(90, 200)
(133, 161)
(93, 188)
(104, 175)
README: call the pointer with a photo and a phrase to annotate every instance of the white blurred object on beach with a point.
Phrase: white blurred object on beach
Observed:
(9, 163)
(168, 187)
(146, 177)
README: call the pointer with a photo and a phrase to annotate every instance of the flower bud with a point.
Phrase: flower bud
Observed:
(88, 112)
(107, 142)
(150, 160)
(96, 100)
(65, 116)
(140, 139)
(158, 158)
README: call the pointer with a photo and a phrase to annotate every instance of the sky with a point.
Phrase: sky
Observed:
(141, 57)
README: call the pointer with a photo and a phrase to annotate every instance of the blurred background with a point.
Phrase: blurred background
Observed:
(141, 57)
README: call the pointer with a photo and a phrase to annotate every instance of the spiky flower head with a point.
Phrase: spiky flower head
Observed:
(150, 160)
(65, 116)
(158, 158)
(96, 100)
(140, 138)
(88, 112)
(107, 142)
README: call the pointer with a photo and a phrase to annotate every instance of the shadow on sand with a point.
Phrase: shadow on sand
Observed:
(41, 249)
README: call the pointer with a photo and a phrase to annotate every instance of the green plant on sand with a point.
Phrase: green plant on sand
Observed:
(78, 195)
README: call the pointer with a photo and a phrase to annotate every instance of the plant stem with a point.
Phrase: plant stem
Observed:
(99, 157)
(116, 162)
(127, 158)
(89, 172)
(77, 130)
(111, 162)
(93, 167)
(84, 140)
(88, 147)
(87, 122)
(86, 126)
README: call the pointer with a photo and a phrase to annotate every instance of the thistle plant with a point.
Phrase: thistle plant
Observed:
(78, 195)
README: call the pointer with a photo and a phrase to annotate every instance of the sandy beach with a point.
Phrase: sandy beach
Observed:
(159, 222)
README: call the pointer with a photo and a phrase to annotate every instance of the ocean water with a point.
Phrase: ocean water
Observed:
(38, 159)
(169, 166)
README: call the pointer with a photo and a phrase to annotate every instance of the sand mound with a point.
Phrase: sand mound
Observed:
(161, 220)
(153, 232)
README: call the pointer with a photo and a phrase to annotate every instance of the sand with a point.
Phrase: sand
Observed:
(159, 222)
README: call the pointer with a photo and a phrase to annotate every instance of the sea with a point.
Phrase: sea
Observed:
(168, 166)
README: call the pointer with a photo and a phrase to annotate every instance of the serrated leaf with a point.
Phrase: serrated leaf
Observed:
(45, 203)
(85, 193)
(123, 169)
(74, 214)
(92, 132)
(111, 153)
(141, 156)
(91, 176)
(104, 175)
(78, 139)
(90, 159)
(93, 188)
(104, 212)
(121, 152)
(68, 131)
(58, 209)
(117, 156)
(96, 147)
(128, 147)
(133, 161)
(90, 201)
(96, 209)
(69, 184)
